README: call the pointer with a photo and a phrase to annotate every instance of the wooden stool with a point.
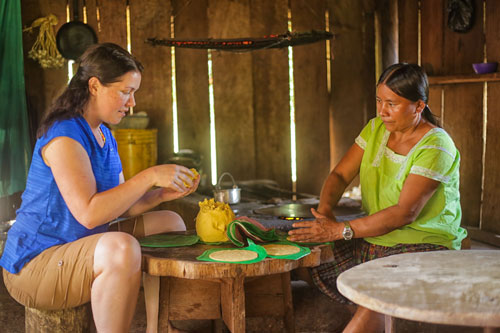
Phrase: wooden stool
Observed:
(75, 320)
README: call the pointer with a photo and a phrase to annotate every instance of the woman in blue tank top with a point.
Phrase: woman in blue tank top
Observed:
(59, 253)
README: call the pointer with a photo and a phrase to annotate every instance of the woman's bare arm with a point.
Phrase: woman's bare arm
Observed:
(339, 179)
(416, 192)
(73, 174)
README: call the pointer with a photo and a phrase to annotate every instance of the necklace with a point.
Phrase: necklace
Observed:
(102, 135)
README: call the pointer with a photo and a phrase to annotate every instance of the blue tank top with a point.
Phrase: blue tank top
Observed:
(44, 220)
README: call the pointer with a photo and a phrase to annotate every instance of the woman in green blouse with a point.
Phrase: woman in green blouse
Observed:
(409, 175)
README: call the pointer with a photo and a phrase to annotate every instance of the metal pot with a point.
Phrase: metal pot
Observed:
(230, 196)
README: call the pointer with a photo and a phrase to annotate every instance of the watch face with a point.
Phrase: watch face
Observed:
(347, 233)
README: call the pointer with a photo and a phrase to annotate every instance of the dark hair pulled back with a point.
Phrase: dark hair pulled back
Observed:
(107, 62)
(409, 81)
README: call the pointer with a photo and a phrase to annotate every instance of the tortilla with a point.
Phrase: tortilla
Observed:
(233, 255)
(280, 249)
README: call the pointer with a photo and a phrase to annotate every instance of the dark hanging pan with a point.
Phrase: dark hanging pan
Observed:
(73, 38)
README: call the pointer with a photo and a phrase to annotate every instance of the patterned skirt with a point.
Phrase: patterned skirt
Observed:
(348, 254)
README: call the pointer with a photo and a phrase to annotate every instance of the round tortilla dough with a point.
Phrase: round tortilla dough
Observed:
(281, 249)
(233, 255)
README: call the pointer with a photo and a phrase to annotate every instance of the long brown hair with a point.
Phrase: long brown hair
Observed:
(107, 62)
(409, 81)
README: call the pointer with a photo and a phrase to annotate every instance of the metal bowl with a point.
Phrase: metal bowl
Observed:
(230, 196)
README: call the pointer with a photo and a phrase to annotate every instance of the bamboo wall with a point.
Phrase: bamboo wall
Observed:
(469, 111)
(251, 92)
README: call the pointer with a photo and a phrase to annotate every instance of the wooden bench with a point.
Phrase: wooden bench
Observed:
(74, 320)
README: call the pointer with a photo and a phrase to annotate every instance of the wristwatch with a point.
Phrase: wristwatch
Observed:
(347, 233)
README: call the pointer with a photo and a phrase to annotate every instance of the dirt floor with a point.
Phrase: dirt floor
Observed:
(314, 312)
(307, 302)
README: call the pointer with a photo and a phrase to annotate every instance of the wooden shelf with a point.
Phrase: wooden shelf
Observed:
(465, 78)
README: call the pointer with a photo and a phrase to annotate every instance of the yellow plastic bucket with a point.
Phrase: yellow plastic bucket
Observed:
(138, 149)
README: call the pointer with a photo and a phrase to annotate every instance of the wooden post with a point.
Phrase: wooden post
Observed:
(163, 325)
(233, 303)
(75, 320)
(389, 324)
(287, 302)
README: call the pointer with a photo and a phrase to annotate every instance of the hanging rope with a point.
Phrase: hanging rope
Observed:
(44, 49)
(249, 44)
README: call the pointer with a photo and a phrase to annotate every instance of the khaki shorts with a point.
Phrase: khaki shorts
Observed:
(61, 276)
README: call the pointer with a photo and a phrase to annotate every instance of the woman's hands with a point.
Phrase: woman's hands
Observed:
(168, 194)
(169, 178)
(323, 229)
(175, 181)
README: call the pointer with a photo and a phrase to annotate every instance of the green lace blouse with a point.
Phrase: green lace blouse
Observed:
(383, 173)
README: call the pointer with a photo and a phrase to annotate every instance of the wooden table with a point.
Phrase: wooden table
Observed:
(443, 287)
(179, 287)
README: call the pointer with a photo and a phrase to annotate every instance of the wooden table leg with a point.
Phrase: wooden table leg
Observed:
(217, 326)
(164, 308)
(491, 330)
(152, 299)
(286, 286)
(233, 303)
(389, 324)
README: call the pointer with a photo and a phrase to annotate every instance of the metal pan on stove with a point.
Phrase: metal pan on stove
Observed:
(303, 211)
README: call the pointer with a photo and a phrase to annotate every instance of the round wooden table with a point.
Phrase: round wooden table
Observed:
(442, 287)
(179, 287)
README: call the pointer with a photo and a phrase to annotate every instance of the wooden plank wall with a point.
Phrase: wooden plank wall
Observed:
(42, 86)
(271, 100)
(311, 98)
(155, 93)
(251, 92)
(233, 90)
(460, 105)
(352, 29)
(490, 212)
(193, 109)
